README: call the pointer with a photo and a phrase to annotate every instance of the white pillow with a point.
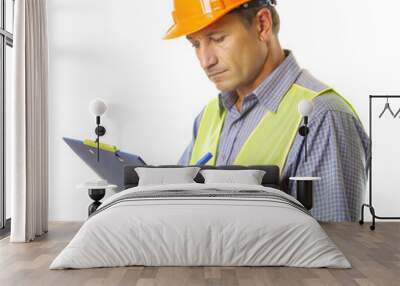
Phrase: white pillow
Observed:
(165, 176)
(248, 177)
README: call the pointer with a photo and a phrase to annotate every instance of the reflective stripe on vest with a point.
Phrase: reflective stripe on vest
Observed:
(270, 141)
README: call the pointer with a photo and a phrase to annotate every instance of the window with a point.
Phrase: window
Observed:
(6, 44)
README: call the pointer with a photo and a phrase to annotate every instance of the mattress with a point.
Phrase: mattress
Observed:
(201, 225)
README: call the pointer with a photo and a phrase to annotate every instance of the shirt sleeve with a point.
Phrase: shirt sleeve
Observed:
(187, 154)
(338, 152)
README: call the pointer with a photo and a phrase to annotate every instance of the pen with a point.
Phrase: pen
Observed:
(204, 159)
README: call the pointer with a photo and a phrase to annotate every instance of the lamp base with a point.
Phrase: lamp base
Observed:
(96, 195)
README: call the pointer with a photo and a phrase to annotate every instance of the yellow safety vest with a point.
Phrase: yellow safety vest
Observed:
(269, 143)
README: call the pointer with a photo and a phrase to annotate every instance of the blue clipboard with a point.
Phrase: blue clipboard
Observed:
(110, 167)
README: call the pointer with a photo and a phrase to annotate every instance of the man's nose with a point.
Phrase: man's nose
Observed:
(207, 58)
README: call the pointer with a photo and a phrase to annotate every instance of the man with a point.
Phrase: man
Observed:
(255, 120)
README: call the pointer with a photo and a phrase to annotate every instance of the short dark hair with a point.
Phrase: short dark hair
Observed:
(247, 15)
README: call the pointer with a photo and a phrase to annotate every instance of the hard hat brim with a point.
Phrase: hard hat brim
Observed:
(196, 24)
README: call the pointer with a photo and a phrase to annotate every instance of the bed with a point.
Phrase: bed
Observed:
(201, 224)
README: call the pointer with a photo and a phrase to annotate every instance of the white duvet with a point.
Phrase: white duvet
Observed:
(200, 231)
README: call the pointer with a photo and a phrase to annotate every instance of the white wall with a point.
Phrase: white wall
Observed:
(155, 88)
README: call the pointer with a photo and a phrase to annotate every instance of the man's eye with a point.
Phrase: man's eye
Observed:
(195, 45)
(219, 39)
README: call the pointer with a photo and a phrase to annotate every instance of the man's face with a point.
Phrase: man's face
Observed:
(230, 53)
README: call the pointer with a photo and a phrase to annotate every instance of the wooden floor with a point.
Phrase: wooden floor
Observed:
(375, 257)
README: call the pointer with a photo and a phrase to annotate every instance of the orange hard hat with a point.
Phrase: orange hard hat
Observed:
(191, 16)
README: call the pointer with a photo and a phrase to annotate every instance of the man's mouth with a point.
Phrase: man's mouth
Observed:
(215, 74)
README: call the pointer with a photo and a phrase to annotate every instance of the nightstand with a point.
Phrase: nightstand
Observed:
(305, 190)
(96, 193)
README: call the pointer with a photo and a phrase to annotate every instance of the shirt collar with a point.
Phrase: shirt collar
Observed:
(271, 91)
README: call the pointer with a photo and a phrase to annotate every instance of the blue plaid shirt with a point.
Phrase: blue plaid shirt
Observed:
(338, 146)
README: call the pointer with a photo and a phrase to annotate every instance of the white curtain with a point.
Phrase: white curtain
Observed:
(29, 122)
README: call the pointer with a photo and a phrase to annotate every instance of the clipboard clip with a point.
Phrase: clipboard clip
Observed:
(119, 157)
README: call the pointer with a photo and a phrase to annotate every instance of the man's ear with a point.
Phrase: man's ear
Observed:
(264, 24)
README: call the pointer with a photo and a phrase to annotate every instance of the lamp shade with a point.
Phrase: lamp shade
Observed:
(97, 107)
(305, 107)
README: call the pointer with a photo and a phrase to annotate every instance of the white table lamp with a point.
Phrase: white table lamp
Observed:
(98, 107)
(305, 108)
